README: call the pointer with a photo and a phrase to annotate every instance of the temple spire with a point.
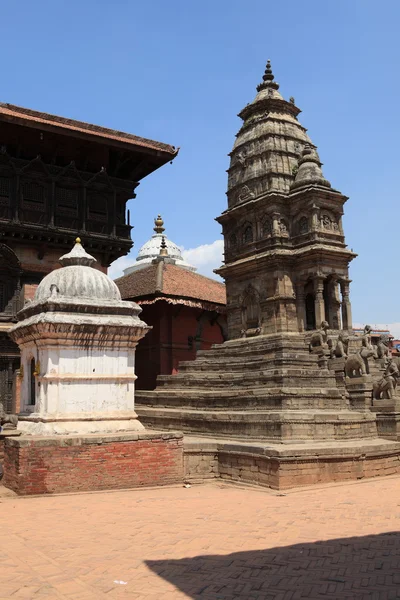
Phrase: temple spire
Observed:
(309, 171)
(268, 79)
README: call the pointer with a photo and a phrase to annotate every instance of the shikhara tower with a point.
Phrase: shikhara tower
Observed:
(286, 262)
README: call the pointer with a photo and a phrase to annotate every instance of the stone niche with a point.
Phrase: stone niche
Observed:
(77, 340)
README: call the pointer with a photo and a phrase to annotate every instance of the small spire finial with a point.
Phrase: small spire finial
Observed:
(163, 247)
(268, 79)
(268, 75)
(78, 240)
(159, 224)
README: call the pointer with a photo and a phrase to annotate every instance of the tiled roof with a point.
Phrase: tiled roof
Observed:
(10, 112)
(163, 279)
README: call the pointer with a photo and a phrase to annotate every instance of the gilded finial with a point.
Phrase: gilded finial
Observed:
(163, 248)
(159, 224)
(78, 240)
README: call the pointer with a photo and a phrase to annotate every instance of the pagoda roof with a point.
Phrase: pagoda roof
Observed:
(166, 281)
(45, 121)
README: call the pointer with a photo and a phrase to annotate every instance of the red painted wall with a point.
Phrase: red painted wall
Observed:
(178, 332)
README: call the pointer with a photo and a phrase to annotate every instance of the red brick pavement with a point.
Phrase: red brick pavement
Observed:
(204, 542)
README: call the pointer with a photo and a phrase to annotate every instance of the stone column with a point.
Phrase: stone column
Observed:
(335, 305)
(315, 221)
(275, 223)
(301, 305)
(319, 301)
(347, 322)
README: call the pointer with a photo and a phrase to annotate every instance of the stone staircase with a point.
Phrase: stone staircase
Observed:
(268, 388)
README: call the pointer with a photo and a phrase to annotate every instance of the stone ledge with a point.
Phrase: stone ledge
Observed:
(285, 466)
(25, 441)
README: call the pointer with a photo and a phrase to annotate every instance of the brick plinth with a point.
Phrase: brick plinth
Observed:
(40, 465)
(289, 466)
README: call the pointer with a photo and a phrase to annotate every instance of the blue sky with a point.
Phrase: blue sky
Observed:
(180, 71)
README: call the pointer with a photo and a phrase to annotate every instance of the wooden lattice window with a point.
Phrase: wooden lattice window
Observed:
(33, 196)
(67, 201)
(248, 234)
(97, 207)
(5, 191)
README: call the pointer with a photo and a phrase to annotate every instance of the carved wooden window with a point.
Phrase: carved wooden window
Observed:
(67, 201)
(97, 207)
(33, 196)
(248, 234)
(5, 191)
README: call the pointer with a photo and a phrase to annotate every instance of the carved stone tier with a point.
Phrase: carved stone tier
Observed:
(268, 388)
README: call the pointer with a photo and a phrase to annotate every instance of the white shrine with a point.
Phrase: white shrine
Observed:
(77, 340)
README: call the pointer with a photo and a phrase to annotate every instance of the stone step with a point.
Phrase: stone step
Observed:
(246, 363)
(238, 399)
(269, 378)
(285, 426)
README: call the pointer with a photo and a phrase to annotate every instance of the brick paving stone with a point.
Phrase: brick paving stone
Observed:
(211, 542)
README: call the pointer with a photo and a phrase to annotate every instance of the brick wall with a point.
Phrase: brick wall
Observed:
(69, 464)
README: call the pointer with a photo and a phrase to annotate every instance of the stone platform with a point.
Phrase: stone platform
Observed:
(54, 464)
(281, 466)
(269, 388)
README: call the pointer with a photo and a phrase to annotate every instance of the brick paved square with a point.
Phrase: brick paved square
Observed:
(211, 542)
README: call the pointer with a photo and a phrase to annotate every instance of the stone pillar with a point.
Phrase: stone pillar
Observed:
(319, 301)
(315, 221)
(335, 320)
(347, 321)
(275, 223)
(301, 306)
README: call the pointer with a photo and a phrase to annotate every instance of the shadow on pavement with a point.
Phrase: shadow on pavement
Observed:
(357, 567)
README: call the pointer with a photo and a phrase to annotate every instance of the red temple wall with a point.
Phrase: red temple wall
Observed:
(178, 332)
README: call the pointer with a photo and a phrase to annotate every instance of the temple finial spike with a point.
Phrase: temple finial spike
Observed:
(268, 78)
(163, 247)
(158, 222)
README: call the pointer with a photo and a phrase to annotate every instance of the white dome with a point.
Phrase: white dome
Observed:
(151, 250)
(77, 279)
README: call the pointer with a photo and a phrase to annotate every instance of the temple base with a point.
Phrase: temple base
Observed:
(288, 466)
(59, 464)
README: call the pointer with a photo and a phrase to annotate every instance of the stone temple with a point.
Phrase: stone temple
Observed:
(285, 401)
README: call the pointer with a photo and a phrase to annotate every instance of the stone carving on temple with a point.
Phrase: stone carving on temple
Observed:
(385, 387)
(320, 339)
(356, 365)
(382, 347)
(245, 193)
(342, 345)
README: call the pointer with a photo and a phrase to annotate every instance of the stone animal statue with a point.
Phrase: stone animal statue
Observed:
(382, 348)
(8, 419)
(386, 385)
(320, 337)
(342, 345)
(356, 365)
